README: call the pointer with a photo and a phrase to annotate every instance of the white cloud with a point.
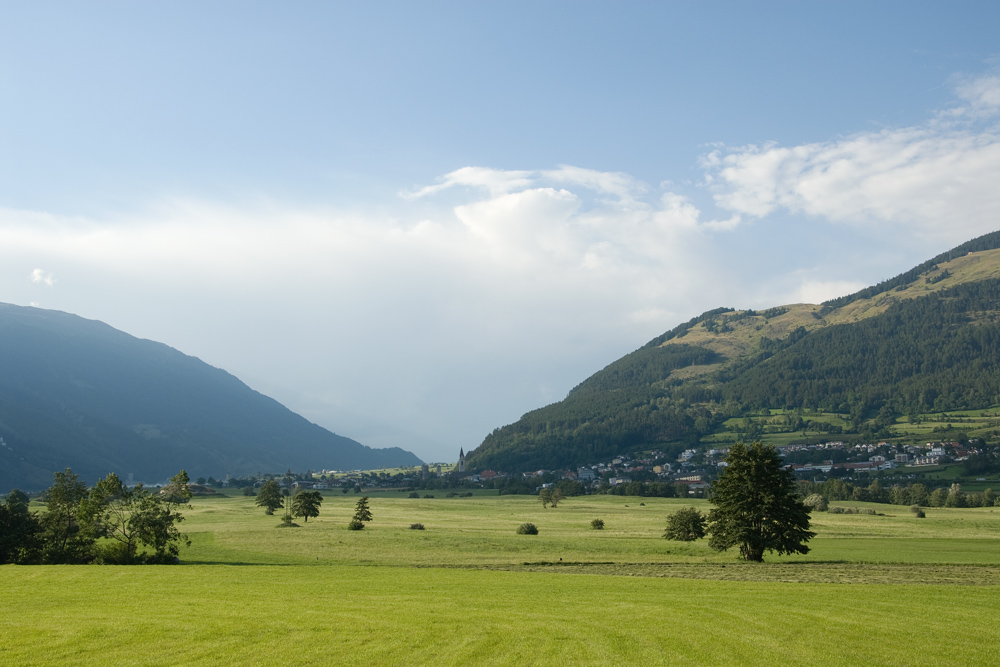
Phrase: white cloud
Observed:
(496, 181)
(938, 179)
(980, 95)
(624, 187)
(41, 277)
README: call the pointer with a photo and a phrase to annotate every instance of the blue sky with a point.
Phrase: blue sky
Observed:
(413, 222)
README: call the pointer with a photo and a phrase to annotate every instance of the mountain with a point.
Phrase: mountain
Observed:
(927, 340)
(78, 393)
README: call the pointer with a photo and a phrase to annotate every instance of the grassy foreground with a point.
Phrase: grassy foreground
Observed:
(875, 590)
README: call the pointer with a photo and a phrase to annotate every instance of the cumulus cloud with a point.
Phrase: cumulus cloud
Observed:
(935, 179)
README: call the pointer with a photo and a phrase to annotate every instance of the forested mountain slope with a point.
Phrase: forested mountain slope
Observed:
(78, 393)
(926, 340)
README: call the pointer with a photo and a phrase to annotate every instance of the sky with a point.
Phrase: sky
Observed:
(414, 222)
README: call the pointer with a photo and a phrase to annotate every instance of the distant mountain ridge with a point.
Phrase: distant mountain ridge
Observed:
(78, 393)
(926, 340)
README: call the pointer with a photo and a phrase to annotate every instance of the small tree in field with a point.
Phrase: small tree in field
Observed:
(306, 504)
(685, 525)
(756, 505)
(545, 497)
(361, 514)
(270, 497)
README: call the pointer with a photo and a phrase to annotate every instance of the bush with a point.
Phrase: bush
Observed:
(527, 529)
(428, 495)
(355, 525)
(467, 494)
(249, 491)
(685, 525)
(413, 494)
(816, 502)
(919, 514)
(450, 494)
(915, 509)
(416, 526)
(837, 510)
(597, 524)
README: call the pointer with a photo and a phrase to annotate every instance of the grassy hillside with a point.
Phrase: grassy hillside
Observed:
(467, 590)
(927, 340)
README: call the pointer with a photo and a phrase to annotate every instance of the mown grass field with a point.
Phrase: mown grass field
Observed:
(874, 590)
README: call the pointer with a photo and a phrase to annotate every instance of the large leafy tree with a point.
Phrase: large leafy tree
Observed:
(270, 497)
(306, 504)
(757, 506)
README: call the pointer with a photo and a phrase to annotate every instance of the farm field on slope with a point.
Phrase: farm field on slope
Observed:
(887, 589)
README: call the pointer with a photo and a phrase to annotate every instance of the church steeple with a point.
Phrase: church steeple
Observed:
(461, 459)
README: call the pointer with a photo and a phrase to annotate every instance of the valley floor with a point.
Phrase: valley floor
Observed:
(874, 590)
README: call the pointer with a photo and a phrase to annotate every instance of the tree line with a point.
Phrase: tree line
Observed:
(108, 523)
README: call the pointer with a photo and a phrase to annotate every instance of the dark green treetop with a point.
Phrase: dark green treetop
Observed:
(756, 505)
(306, 504)
(270, 497)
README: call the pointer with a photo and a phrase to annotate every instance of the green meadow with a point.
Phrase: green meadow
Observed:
(885, 589)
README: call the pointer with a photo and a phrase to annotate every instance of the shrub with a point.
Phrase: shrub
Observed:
(915, 509)
(816, 503)
(837, 510)
(597, 524)
(527, 529)
(919, 514)
(355, 525)
(416, 526)
(428, 495)
(467, 494)
(685, 525)
(413, 494)
(450, 494)
(249, 491)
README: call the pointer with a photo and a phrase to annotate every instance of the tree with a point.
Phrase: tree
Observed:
(20, 531)
(178, 491)
(685, 525)
(756, 505)
(270, 497)
(361, 514)
(306, 504)
(133, 519)
(545, 497)
(557, 495)
(816, 503)
(67, 539)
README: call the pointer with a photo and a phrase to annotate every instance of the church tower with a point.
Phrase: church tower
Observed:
(461, 460)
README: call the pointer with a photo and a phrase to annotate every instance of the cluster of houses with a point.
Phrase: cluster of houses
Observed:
(883, 455)
(859, 457)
